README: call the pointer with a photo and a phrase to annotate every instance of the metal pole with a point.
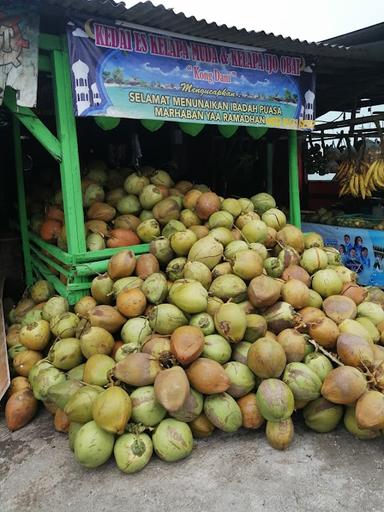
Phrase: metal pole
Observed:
(294, 190)
(270, 168)
(23, 219)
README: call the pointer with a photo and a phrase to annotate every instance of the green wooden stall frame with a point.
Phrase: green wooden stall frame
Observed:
(76, 264)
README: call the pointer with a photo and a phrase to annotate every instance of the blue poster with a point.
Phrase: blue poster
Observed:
(362, 250)
(121, 71)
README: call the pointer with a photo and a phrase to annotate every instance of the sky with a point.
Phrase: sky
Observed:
(312, 20)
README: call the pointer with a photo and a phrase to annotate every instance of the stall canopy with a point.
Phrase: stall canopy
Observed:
(345, 74)
(367, 87)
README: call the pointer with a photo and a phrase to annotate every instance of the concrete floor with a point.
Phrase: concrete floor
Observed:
(320, 472)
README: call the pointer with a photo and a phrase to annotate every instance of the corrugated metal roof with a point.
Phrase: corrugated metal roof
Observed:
(160, 17)
(366, 35)
(344, 74)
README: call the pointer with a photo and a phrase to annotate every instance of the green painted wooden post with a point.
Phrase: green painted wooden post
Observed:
(69, 166)
(294, 190)
(23, 219)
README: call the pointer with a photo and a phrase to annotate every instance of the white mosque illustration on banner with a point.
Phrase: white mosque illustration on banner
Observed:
(85, 95)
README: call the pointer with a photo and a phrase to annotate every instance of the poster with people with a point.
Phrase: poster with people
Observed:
(361, 250)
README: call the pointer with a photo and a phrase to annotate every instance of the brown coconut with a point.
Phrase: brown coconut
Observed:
(325, 332)
(355, 292)
(264, 291)
(292, 236)
(207, 203)
(187, 343)
(20, 408)
(293, 343)
(296, 272)
(106, 317)
(266, 358)
(172, 388)
(137, 369)
(121, 264)
(146, 265)
(296, 293)
(250, 412)
(370, 410)
(208, 376)
(339, 308)
(354, 350)
(344, 385)
(310, 315)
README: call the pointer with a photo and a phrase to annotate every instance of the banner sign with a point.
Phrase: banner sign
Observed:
(362, 250)
(126, 72)
(19, 32)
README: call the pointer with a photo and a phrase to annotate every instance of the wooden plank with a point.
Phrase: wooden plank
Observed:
(5, 378)
(23, 217)
(33, 124)
(49, 42)
(70, 165)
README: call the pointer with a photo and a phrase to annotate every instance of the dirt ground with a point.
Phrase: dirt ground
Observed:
(238, 472)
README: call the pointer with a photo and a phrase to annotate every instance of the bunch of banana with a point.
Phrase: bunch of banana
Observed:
(374, 178)
(360, 179)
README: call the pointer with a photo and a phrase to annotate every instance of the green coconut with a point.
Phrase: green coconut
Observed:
(216, 347)
(327, 282)
(45, 380)
(60, 393)
(191, 409)
(304, 383)
(135, 331)
(133, 452)
(275, 400)
(97, 368)
(93, 445)
(145, 408)
(314, 259)
(204, 321)
(41, 291)
(319, 363)
(263, 202)
(229, 287)
(371, 310)
(66, 354)
(53, 307)
(240, 352)
(321, 415)
(165, 318)
(188, 295)
(112, 410)
(199, 272)
(172, 440)
(256, 327)
(223, 412)
(207, 250)
(230, 322)
(155, 288)
(79, 406)
(175, 268)
(222, 219)
(242, 379)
